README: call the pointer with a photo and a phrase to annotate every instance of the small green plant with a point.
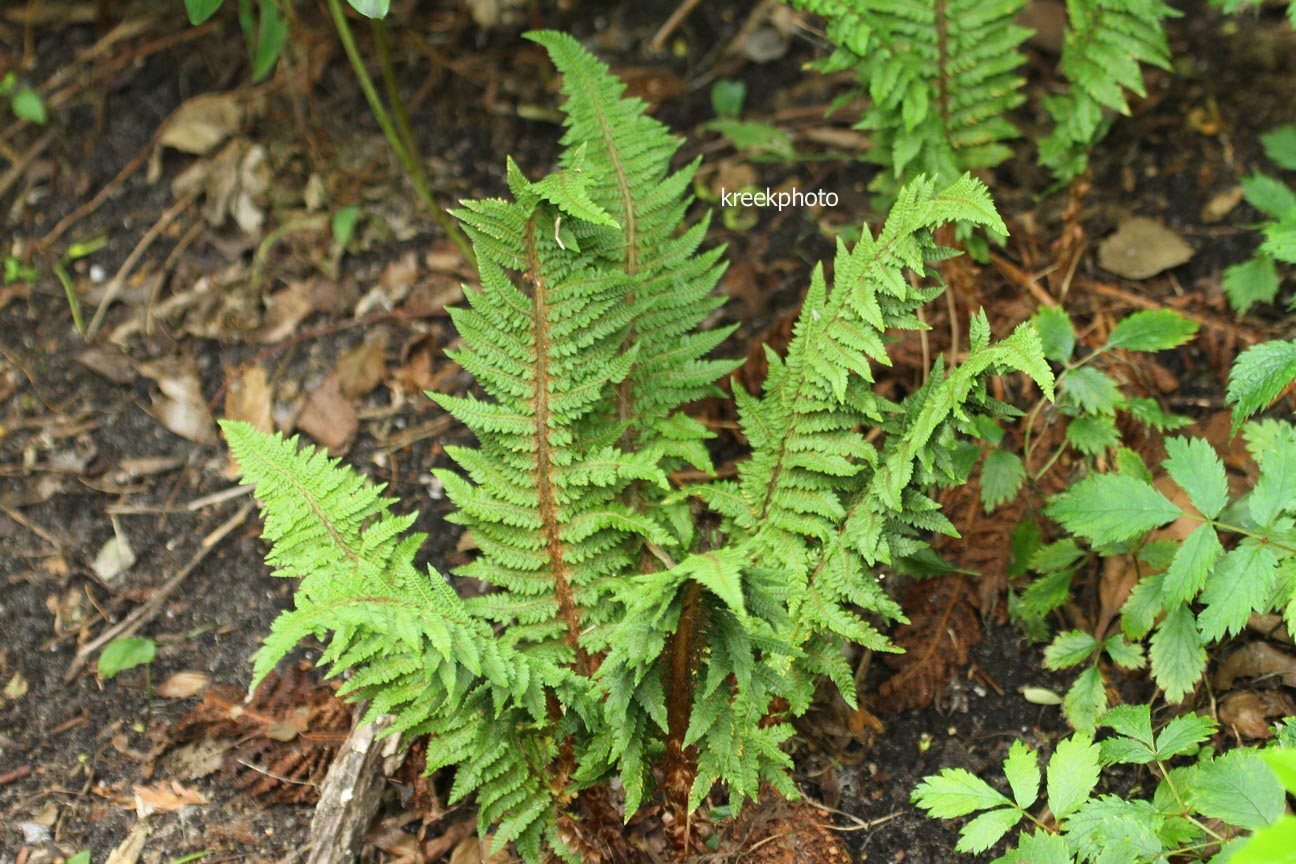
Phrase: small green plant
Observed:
(25, 102)
(1256, 280)
(1089, 400)
(1199, 808)
(1188, 595)
(636, 631)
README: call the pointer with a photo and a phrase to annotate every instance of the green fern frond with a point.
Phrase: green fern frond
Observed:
(628, 157)
(941, 76)
(1106, 42)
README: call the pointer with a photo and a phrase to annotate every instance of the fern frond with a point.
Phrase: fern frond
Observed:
(941, 76)
(628, 157)
(1106, 42)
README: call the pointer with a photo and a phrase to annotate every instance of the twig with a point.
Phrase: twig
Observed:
(1144, 303)
(1022, 278)
(145, 613)
(672, 24)
(123, 273)
(11, 176)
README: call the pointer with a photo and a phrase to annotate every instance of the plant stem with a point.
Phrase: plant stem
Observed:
(681, 764)
(410, 161)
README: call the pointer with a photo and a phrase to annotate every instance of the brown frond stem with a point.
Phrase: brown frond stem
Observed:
(681, 761)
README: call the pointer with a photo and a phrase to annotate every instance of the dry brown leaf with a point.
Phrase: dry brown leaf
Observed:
(329, 417)
(248, 398)
(360, 370)
(182, 685)
(394, 285)
(108, 361)
(115, 556)
(471, 850)
(202, 123)
(288, 307)
(1256, 660)
(181, 408)
(1251, 714)
(1141, 248)
(128, 852)
(165, 798)
(1118, 578)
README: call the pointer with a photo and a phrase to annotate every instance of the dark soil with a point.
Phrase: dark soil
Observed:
(71, 751)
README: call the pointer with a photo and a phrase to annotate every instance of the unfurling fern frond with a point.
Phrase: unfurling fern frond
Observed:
(941, 76)
(1105, 43)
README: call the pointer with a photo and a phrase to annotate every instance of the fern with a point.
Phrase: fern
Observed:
(941, 76)
(620, 628)
(1105, 43)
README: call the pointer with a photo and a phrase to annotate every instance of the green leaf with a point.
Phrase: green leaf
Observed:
(270, 37)
(1280, 144)
(1238, 788)
(1280, 239)
(1002, 474)
(1178, 657)
(371, 8)
(1283, 764)
(1268, 195)
(28, 105)
(1240, 585)
(126, 653)
(200, 10)
(1183, 735)
(1090, 390)
(1069, 649)
(1093, 434)
(1151, 330)
(1275, 844)
(1072, 774)
(343, 224)
(1143, 606)
(1057, 334)
(1126, 655)
(1253, 281)
(1133, 742)
(1108, 508)
(1191, 565)
(1197, 468)
(956, 792)
(82, 857)
(1275, 491)
(1023, 773)
(727, 96)
(986, 830)
(1086, 701)
(1043, 848)
(1257, 377)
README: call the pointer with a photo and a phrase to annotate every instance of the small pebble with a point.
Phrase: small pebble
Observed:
(97, 273)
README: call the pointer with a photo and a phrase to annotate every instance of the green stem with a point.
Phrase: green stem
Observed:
(408, 156)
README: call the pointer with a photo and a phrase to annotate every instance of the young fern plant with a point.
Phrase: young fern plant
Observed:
(635, 630)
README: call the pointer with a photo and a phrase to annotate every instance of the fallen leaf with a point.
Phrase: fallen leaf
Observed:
(108, 362)
(1256, 660)
(288, 307)
(248, 398)
(165, 798)
(1252, 714)
(328, 416)
(202, 123)
(1221, 204)
(16, 688)
(472, 850)
(115, 557)
(360, 370)
(1141, 248)
(181, 408)
(394, 285)
(129, 850)
(182, 685)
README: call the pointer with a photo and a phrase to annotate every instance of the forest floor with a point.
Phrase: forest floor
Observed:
(188, 211)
